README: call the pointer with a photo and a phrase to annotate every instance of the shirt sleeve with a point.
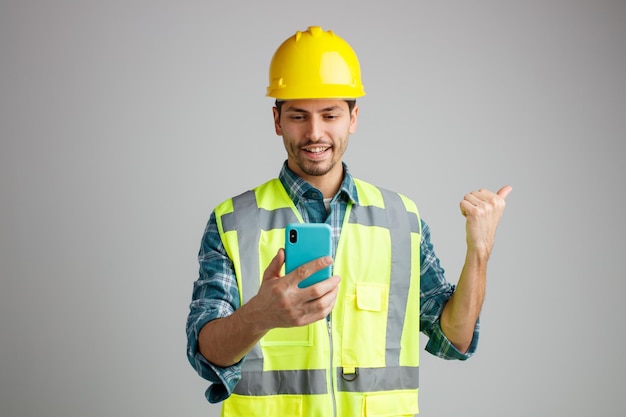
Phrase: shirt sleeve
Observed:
(435, 291)
(215, 295)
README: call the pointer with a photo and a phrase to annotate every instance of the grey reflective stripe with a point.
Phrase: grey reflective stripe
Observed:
(414, 222)
(248, 227)
(400, 224)
(248, 233)
(375, 216)
(268, 220)
(277, 219)
(380, 379)
(303, 382)
(248, 220)
(368, 216)
(400, 274)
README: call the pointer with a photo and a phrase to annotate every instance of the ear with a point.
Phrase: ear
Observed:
(277, 128)
(354, 118)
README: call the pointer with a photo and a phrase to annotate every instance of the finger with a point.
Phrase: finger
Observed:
(466, 207)
(505, 191)
(273, 269)
(309, 268)
(324, 295)
(475, 198)
(477, 201)
(325, 287)
(470, 202)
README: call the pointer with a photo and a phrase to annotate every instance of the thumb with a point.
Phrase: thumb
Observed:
(273, 269)
(505, 191)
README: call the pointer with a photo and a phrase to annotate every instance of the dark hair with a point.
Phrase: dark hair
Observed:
(279, 105)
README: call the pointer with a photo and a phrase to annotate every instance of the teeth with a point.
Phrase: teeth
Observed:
(316, 150)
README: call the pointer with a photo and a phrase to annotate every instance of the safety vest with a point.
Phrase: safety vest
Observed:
(364, 359)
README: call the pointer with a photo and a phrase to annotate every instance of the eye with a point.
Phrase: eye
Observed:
(296, 117)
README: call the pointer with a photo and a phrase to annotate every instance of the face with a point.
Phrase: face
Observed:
(315, 134)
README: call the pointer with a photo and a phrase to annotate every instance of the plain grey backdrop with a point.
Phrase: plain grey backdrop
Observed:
(123, 123)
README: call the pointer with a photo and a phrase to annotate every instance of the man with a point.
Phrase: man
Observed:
(348, 345)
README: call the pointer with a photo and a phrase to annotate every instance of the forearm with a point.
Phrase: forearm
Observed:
(482, 210)
(225, 341)
(461, 312)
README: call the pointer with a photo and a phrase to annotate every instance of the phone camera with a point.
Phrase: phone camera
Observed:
(293, 236)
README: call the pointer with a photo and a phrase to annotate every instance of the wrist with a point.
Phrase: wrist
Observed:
(477, 256)
(251, 319)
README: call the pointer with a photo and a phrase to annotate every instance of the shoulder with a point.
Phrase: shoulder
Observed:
(268, 186)
(368, 191)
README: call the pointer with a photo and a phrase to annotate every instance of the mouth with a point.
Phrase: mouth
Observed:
(316, 150)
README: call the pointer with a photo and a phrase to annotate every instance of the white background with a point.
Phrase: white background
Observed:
(123, 123)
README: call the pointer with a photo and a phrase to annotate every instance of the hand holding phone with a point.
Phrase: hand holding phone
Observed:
(305, 242)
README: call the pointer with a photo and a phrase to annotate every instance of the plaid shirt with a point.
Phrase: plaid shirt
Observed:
(215, 293)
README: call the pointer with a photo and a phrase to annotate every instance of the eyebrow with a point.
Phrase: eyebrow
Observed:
(324, 110)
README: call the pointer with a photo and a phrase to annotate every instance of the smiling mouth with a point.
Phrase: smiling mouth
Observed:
(316, 149)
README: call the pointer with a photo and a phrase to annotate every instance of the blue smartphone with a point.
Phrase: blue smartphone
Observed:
(305, 242)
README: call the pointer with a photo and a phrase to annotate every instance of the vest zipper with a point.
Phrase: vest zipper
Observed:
(331, 372)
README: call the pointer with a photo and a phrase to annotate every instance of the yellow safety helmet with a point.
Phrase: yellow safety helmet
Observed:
(315, 64)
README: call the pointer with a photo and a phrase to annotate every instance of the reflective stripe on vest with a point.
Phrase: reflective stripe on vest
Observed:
(248, 225)
(398, 221)
(249, 228)
(313, 381)
(249, 220)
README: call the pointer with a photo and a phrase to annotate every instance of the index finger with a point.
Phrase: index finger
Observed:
(313, 272)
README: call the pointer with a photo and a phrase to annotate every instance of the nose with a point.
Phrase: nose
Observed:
(315, 129)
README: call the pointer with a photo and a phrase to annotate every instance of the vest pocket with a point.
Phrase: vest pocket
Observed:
(273, 405)
(365, 326)
(291, 336)
(390, 404)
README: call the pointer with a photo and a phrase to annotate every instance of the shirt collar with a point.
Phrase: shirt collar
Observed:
(297, 188)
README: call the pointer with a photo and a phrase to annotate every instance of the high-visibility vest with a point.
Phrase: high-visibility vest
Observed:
(364, 359)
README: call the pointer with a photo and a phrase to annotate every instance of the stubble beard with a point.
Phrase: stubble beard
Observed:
(309, 167)
(316, 169)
